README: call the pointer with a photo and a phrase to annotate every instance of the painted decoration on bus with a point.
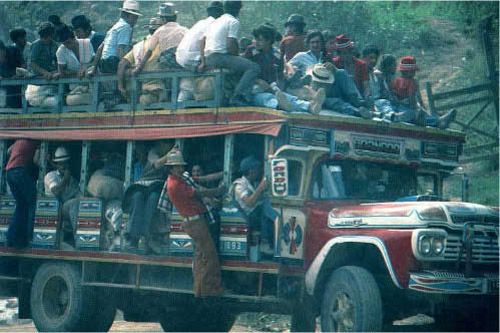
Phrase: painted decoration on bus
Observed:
(377, 146)
(291, 239)
(279, 177)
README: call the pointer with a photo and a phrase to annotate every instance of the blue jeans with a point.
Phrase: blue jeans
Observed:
(343, 95)
(263, 218)
(23, 188)
(269, 100)
(142, 208)
(405, 114)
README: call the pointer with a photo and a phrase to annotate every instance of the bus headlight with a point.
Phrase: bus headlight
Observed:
(429, 244)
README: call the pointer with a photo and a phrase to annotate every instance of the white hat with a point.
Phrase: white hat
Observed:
(320, 73)
(131, 6)
(167, 9)
(61, 155)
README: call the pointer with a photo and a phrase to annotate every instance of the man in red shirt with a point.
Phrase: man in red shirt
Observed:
(294, 41)
(355, 67)
(21, 177)
(187, 200)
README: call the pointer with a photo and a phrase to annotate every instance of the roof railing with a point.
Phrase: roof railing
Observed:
(104, 95)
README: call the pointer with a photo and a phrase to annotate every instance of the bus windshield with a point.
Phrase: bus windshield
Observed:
(337, 180)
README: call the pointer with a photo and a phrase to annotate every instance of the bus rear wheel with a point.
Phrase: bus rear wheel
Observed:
(57, 299)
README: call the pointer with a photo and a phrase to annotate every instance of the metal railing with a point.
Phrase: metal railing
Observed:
(97, 91)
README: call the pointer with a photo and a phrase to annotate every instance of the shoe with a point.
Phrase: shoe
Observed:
(283, 102)
(365, 113)
(445, 120)
(131, 245)
(317, 103)
(266, 248)
(153, 246)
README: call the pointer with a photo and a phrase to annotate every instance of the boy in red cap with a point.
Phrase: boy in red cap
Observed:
(356, 68)
(405, 90)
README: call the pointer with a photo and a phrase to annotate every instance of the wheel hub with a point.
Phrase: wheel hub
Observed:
(55, 297)
(343, 313)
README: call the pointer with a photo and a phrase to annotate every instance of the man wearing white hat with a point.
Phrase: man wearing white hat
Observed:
(166, 38)
(62, 185)
(118, 39)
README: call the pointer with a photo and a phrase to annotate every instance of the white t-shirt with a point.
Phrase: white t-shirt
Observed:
(226, 26)
(188, 51)
(66, 57)
(53, 179)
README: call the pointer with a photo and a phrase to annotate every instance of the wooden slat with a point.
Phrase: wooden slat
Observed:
(460, 92)
(464, 103)
(464, 125)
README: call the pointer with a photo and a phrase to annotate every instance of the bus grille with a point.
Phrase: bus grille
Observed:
(484, 249)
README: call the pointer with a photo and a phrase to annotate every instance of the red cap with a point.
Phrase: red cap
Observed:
(343, 42)
(408, 64)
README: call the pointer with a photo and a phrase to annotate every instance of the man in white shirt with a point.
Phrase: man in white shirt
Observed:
(188, 52)
(220, 49)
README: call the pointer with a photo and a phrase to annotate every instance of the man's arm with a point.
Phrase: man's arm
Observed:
(58, 189)
(46, 74)
(122, 67)
(251, 200)
(209, 178)
(202, 65)
(97, 58)
(232, 46)
(143, 62)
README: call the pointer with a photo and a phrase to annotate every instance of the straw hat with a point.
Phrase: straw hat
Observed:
(61, 155)
(167, 9)
(131, 7)
(320, 73)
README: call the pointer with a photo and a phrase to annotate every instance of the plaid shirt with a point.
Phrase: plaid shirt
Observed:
(165, 205)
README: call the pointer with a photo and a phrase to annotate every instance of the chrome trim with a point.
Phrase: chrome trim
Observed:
(432, 232)
(315, 267)
(485, 250)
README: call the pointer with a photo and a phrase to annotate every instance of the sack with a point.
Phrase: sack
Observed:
(167, 60)
(78, 96)
(42, 96)
(105, 187)
(204, 88)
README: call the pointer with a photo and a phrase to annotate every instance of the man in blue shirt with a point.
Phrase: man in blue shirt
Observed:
(118, 39)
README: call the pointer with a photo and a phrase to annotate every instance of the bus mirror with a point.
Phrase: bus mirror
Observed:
(279, 177)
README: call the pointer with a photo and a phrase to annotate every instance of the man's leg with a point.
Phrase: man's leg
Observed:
(266, 100)
(136, 214)
(405, 114)
(345, 88)
(249, 69)
(298, 104)
(149, 211)
(338, 105)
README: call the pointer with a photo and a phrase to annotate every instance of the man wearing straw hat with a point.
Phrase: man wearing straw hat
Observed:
(118, 39)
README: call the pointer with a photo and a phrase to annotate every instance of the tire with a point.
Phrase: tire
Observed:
(351, 302)
(198, 319)
(57, 299)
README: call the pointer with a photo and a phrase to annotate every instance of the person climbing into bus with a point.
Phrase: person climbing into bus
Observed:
(141, 198)
(406, 92)
(83, 30)
(118, 39)
(220, 49)
(356, 68)
(21, 171)
(188, 52)
(62, 185)
(267, 90)
(294, 40)
(253, 202)
(186, 198)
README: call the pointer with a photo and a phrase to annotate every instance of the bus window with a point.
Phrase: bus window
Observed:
(294, 177)
(427, 184)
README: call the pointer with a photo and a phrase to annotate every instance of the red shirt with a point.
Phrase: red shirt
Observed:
(291, 45)
(403, 87)
(360, 71)
(22, 154)
(183, 197)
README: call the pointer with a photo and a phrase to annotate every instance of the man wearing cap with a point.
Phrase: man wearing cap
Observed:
(83, 29)
(188, 52)
(356, 68)
(166, 38)
(294, 41)
(118, 39)
(62, 185)
(220, 49)
(21, 177)
(406, 92)
(267, 90)
(341, 92)
(250, 196)
(186, 198)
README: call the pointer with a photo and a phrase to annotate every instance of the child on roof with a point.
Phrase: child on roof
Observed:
(406, 94)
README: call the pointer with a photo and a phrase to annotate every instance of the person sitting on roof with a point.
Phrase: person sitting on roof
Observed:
(10, 59)
(188, 52)
(83, 29)
(73, 58)
(62, 185)
(118, 39)
(166, 39)
(18, 37)
(152, 90)
(267, 90)
(44, 62)
(406, 96)
(249, 194)
(341, 93)
(356, 68)
(295, 38)
(220, 50)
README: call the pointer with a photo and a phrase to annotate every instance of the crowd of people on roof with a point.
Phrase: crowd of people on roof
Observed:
(308, 71)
